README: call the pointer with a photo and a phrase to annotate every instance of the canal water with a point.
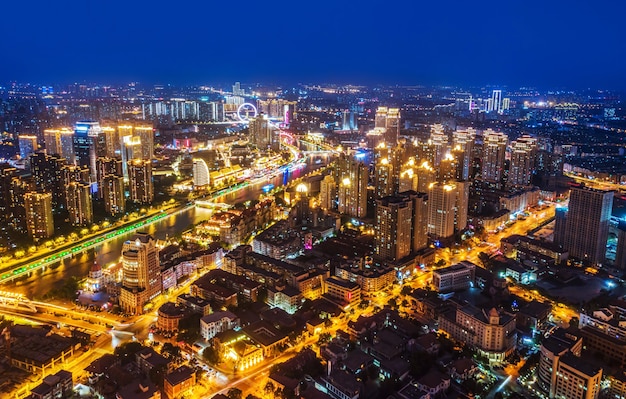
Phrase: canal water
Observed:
(39, 284)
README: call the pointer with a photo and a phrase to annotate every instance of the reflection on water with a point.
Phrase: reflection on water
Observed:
(38, 284)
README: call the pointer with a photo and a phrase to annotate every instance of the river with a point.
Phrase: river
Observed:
(39, 284)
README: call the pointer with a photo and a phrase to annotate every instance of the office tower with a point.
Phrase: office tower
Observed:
(384, 183)
(141, 273)
(494, 152)
(88, 144)
(140, 181)
(463, 149)
(522, 167)
(112, 189)
(27, 144)
(79, 205)
(352, 178)
(439, 142)
(260, 132)
(447, 208)
(394, 224)
(586, 226)
(426, 175)
(39, 220)
(328, 193)
(48, 176)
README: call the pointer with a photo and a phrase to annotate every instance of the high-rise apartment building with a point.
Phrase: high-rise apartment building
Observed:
(494, 152)
(447, 208)
(60, 142)
(352, 177)
(439, 142)
(106, 166)
(463, 149)
(586, 228)
(112, 189)
(522, 167)
(47, 172)
(260, 132)
(384, 183)
(39, 220)
(27, 144)
(79, 205)
(140, 181)
(394, 224)
(141, 273)
(620, 253)
(388, 119)
(328, 193)
(201, 173)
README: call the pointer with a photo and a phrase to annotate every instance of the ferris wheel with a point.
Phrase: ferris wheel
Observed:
(246, 111)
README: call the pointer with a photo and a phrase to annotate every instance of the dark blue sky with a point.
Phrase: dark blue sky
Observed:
(544, 43)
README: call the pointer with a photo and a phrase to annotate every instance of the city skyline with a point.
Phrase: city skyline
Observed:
(432, 43)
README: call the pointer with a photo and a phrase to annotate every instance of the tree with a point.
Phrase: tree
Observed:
(170, 350)
(211, 355)
(234, 393)
(269, 388)
(406, 290)
(127, 351)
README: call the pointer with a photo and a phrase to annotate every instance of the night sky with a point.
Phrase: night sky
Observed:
(541, 43)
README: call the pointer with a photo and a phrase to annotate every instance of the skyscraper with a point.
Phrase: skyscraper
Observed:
(447, 208)
(113, 194)
(48, 176)
(107, 167)
(384, 183)
(260, 132)
(523, 152)
(586, 226)
(7, 173)
(462, 148)
(389, 120)
(494, 152)
(394, 223)
(88, 143)
(328, 193)
(439, 142)
(39, 220)
(496, 101)
(140, 181)
(352, 177)
(141, 273)
(27, 144)
(79, 205)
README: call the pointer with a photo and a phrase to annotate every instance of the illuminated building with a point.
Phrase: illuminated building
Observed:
(384, 178)
(342, 292)
(260, 132)
(552, 349)
(426, 175)
(39, 220)
(88, 145)
(491, 332)
(353, 177)
(74, 174)
(388, 119)
(604, 333)
(7, 174)
(586, 226)
(577, 378)
(27, 144)
(79, 205)
(107, 167)
(494, 152)
(394, 224)
(447, 208)
(48, 176)
(201, 173)
(278, 108)
(439, 142)
(328, 193)
(407, 180)
(448, 169)
(495, 105)
(523, 153)
(455, 277)
(112, 190)
(620, 255)
(140, 181)
(141, 273)
(60, 142)
(146, 138)
(463, 148)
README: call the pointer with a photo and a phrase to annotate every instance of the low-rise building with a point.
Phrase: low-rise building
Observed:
(286, 298)
(59, 385)
(169, 316)
(434, 382)
(455, 277)
(179, 382)
(343, 292)
(215, 323)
